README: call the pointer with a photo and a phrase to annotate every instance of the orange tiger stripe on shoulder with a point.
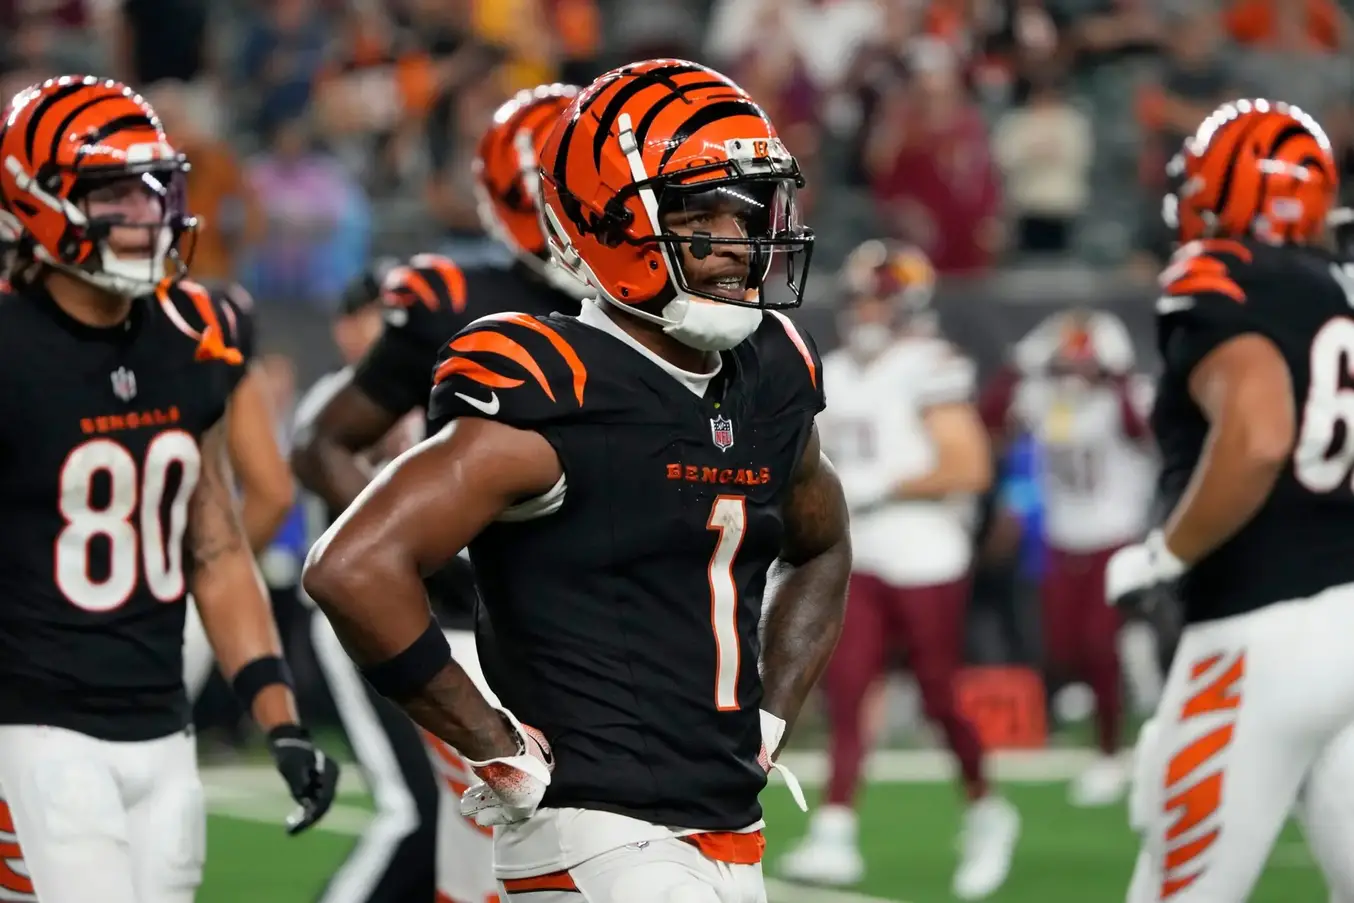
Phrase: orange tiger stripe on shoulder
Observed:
(414, 282)
(496, 343)
(211, 340)
(1199, 271)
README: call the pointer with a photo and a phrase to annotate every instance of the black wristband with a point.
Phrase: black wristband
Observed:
(257, 675)
(403, 676)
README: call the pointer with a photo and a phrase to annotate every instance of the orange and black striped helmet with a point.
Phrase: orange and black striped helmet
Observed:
(508, 183)
(69, 136)
(1254, 168)
(670, 137)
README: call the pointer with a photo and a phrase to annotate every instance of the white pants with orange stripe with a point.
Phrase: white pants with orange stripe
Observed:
(113, 822)
(1256, 706)
(465, 851)
(671, 870)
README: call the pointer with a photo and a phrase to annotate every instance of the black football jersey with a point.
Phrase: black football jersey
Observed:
(428, 307)
(101, 456)
(625, 609)
(1302, 539)
(396, 372)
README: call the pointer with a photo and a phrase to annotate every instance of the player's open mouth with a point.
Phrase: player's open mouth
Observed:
(732, 287)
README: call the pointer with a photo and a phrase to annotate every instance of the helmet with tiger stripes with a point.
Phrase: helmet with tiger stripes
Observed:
(72, 137)
(508, 184)
(1254, 168)
(668, 139)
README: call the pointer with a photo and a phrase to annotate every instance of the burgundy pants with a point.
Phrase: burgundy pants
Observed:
(1081, 633)
(927, 624)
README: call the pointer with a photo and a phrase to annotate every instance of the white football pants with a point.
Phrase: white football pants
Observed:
(660, 871)
(1256, 706)
(112, 822)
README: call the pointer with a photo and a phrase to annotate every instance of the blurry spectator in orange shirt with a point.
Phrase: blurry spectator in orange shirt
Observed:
(931, 168)
(230, 219)
(1289, 25)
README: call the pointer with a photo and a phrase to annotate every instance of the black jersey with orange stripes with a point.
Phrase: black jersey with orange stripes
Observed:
(626, 601)
(1302, 300)
(427, 302)
(101, 455)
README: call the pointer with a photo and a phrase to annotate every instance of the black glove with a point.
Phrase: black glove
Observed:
(311, 776)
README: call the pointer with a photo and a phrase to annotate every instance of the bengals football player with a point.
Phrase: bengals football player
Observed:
(424, 301)
(116, 503)
(1253, 424)
(624, 479)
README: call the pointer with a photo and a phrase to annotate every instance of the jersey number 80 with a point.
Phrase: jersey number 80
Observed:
(140, 533)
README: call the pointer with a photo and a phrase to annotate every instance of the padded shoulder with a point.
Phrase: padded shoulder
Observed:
(421, 296)
(513, 368)
(203, 317)
(791, 370)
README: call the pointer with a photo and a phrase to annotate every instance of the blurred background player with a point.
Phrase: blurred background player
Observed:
(910, 447)
(1072, 388)
(423, 303)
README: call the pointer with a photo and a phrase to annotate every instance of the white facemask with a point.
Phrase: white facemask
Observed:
(710, 325)
(869, 339)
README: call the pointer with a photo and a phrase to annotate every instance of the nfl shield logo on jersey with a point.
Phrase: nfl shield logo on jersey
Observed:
(124, 383)
(721, 430)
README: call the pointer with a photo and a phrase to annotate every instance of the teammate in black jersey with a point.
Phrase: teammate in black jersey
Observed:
(624, 480)
(1253, 417)
(425, 302)
(115, 502)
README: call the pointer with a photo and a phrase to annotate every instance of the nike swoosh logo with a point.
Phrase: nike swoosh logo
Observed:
(1169, 304)
(489, 407)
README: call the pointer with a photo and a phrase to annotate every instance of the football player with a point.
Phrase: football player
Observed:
(624, 480)
(425, 302)
(1253, 420)
(116, 502)
(913, 455)
(1072, 387)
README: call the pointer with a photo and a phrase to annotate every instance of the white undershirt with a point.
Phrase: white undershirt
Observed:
(591, 314)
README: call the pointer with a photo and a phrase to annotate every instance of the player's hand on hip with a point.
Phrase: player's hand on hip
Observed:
(1138, 568)
(511, 787)
(311, 776)
(773, 729)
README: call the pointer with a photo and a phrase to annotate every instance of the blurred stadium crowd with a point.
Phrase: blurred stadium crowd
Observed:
(1019, 144)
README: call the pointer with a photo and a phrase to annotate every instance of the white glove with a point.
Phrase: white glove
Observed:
(1141, 566)
(511, 787)
(773, 729)
(867, 490)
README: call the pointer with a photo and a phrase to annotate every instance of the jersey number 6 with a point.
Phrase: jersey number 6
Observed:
(156, 535)
(728, 516)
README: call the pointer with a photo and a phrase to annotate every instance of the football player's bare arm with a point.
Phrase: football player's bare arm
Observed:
(230, 596)
(963, 455)
(807, 593)
(267, 489)
(327, 457)
(366, 572)
(1245, 390)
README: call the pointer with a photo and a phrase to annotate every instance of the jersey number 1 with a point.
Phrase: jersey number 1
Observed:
(729, 517)
(153, 539)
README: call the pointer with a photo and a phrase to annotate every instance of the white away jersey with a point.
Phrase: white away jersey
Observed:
(1097, 479)
(873, 430)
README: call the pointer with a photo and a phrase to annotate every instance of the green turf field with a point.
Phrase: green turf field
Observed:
(908, 825)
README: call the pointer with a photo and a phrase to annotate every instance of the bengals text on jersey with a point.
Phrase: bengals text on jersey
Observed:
(1301, 299)
(102, 453)
(633, 632)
